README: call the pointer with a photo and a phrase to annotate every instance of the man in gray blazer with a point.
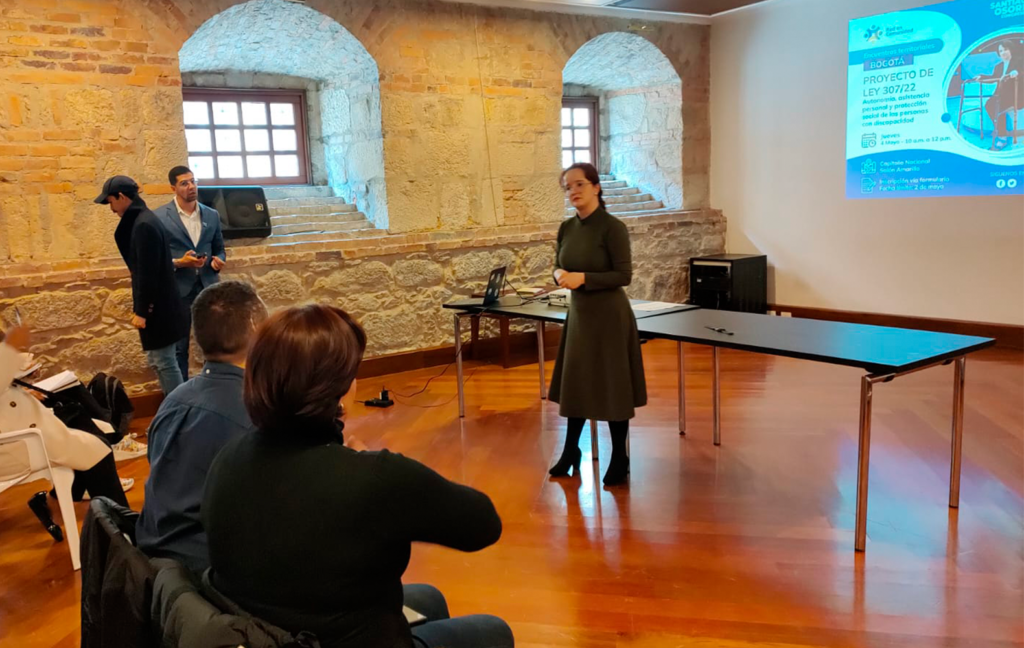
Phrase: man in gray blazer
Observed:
(197, 246)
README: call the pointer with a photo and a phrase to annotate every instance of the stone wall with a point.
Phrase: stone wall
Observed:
(469, 99)
(644, 140)
(393, 285)
(440, 121)
(353, 145)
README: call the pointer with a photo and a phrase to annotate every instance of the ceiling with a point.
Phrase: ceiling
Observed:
(697, 7)
(689, 7)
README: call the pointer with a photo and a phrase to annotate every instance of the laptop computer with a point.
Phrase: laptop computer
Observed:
(494, 285)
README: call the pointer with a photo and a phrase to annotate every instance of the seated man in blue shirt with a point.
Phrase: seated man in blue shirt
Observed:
(195, 422)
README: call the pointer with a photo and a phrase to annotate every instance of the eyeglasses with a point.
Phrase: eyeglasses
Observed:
(577, 185)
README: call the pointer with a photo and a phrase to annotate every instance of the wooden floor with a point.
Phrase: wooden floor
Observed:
(749, 544)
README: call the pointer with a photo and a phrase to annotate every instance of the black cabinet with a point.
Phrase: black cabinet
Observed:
(735, 282)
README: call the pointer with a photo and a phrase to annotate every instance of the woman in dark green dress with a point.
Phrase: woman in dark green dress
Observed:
(599, 373)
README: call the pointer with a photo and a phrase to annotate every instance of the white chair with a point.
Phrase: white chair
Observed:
(59, 476)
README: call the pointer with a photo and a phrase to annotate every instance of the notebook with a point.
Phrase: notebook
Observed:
(59, 382)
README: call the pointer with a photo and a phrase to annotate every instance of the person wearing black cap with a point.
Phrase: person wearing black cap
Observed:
(157, 309)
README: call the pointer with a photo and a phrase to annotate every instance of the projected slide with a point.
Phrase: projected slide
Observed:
(935, 101)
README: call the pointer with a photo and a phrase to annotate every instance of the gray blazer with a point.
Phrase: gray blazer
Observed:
(211, 243)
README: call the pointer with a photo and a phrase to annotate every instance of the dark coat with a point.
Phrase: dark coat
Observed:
(599, 372)
(189, 612)
(117, 580)
(142, 242)
(130, 601)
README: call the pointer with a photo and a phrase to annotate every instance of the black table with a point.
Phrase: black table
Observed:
(876, 349)
(537, 310)
(884, 354)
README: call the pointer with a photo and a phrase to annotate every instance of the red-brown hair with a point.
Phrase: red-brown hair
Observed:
(302, 361)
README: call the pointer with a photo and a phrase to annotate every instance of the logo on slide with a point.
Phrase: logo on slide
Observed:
(869, 140)
(867, 185)
(868, 167)
(874, 33)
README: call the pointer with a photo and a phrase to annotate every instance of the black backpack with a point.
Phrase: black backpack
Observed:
(109, 392)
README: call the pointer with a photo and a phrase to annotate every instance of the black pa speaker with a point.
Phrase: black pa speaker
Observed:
(243, 210)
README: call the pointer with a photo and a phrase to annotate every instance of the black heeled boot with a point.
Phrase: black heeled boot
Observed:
(571, 454)
(42, 510)
(618, 467)
(570, 460)
(618, 471)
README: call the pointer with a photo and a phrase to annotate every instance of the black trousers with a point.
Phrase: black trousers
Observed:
(1002, 100)
(101, 481)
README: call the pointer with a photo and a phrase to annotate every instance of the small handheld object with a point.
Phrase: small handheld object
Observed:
(17, 316)
(718, 329)
(560, 297)
(383, 401)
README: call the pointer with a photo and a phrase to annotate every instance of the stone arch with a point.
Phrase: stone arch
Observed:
(267, 43)
(640, 111)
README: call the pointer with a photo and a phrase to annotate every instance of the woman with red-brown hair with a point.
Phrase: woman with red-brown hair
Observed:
(314, 536)
(599, 371)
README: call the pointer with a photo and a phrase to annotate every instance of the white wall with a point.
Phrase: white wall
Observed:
(778, 123)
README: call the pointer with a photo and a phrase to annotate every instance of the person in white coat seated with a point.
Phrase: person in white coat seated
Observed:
(87, 454)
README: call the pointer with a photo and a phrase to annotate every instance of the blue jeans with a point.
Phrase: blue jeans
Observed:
(442, 631)
(181, 348)
(165, 363)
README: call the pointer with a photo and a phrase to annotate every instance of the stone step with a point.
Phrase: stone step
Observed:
(622, 199)
(303, 228)
(293, 219)
(614, 184)
(628, 208)
(607, 177)
(298, 191)
(628, 199)
(282, 204)
(652, 212)
(623, 191)
(321, 237)
(319, 210)
(638, 213)
(638, 206)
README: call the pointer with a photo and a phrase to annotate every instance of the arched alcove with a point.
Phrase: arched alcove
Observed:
(275, 43)
(640, 122)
